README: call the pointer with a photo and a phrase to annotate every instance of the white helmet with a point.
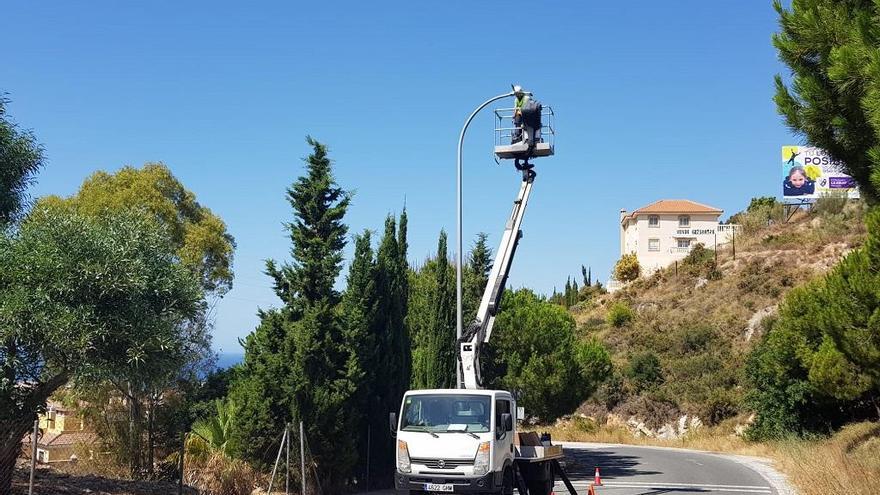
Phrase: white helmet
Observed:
(517, 89)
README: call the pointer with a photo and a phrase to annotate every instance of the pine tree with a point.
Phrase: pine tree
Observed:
(315, 371)
(833, 51)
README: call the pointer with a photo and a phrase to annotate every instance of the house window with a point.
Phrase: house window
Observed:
(684, 221)
(653, 221)
(684, 243)
(653, 244)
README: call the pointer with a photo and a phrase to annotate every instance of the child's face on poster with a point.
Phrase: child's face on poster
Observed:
(797, 179)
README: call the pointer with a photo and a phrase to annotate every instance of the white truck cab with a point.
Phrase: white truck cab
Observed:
(456, 440)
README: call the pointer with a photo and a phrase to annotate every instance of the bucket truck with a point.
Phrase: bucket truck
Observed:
(464, 440)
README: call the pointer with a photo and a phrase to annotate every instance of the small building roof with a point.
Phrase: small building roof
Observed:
(673, 206)
(66, 438)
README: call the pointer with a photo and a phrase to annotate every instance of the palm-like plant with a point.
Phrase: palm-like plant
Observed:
(212, 434)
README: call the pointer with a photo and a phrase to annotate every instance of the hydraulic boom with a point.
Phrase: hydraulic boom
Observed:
(480, 330)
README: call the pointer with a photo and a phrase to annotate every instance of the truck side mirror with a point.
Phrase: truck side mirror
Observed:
(507, 421)
(392, 423)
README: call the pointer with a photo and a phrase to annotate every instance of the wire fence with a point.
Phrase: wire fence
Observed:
(42, 458)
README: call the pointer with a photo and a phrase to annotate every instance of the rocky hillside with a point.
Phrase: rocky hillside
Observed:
(680, 337)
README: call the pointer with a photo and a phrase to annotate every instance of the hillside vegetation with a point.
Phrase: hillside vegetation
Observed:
(679, 338)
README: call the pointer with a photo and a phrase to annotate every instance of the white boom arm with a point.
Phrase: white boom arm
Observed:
(480, 330)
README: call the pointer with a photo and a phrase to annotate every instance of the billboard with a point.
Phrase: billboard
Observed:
(809, 173)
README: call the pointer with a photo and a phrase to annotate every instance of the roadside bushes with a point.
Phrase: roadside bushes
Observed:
(619, 315)
(534, 352)
(627, 268)
(819, 364)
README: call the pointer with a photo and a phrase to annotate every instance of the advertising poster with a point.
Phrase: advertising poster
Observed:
(809, 173)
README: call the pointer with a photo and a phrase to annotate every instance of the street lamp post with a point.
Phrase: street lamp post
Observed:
(459, 320)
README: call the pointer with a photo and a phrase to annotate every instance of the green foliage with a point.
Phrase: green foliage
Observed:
(830, 204)
(435, 348)
(198, 235)
(627, 268)
(701, 262)
(620, 314)
(645, 371)
(301, 363)
(20, 159)
(101, 297)
(833, 51)
(533, 352)
(819, 365)
(762, 203)
(213, 433)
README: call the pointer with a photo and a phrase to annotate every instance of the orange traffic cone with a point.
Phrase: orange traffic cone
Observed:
(598, 480)
(592, 490)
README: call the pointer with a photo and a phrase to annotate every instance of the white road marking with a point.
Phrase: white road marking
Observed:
(682, 486)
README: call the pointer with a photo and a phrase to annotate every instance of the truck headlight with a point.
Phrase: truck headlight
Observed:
(403, 463)
(481, 461)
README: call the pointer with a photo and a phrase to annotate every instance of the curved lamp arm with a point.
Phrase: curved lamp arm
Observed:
(459, 319)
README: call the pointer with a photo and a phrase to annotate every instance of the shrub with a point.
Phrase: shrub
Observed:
(220, 475)
(817, 366)
(830, 204)
(645, 371)
(534, 351)
(627, 268)
(619, 315)
(720, 405)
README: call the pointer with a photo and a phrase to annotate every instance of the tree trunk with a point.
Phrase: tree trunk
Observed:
(134, 433)
(10, 447)
(150, 443)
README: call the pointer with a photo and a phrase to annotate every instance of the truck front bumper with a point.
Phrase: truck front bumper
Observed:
(461, 484)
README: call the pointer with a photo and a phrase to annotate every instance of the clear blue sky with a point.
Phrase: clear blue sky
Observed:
(654, 100)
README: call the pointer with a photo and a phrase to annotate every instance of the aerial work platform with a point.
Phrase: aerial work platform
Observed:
(505, 130)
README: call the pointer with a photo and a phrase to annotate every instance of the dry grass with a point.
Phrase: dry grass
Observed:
(848, 462)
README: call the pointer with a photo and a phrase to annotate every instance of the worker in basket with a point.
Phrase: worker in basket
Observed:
(527, 125)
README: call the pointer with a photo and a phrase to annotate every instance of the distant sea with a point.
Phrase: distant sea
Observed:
(228, 359)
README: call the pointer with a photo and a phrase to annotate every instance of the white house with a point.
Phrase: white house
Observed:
(666, 230)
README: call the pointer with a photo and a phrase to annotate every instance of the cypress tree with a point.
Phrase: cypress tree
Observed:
(442, 343)
(476, 276)
(317, 374)
(392, 338)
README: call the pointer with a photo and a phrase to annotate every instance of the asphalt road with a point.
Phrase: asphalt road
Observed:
(631, 470)
(636, 470)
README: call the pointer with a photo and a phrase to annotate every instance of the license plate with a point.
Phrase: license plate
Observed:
(436, 487)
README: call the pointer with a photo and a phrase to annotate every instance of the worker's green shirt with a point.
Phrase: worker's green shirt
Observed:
(520, 101)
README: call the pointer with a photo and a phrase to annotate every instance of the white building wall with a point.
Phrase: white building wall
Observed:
(640, 238)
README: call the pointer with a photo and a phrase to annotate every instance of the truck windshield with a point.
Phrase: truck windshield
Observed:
(446, 413)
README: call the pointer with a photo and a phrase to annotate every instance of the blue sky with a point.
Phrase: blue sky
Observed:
(653, 100)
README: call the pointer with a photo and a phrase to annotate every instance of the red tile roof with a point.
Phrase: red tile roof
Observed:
(674, 206)
(677, 206)
(62, 439)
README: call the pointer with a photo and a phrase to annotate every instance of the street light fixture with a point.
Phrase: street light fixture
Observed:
(458, 265)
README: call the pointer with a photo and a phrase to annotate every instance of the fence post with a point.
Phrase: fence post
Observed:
(277, 460)
(287, 463)
(34, 455)
(369, 430)
(302, 456)
(182, 455)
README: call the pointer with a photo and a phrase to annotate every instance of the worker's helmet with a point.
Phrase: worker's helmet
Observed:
(517, 89)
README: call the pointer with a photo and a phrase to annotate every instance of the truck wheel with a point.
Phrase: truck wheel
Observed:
(507, 482)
